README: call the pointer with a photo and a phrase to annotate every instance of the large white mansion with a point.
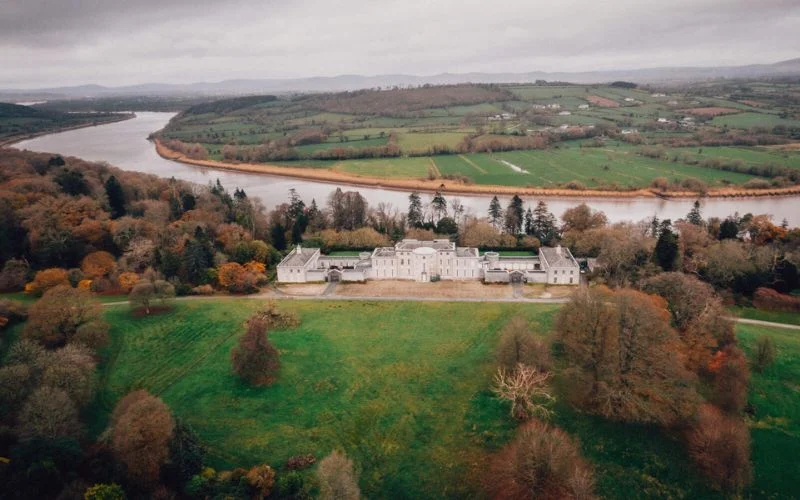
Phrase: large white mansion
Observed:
(427, 260)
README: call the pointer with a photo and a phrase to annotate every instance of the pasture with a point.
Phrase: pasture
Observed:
(405, 393)
(419, 121)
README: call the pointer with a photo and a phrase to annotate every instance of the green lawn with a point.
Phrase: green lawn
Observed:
(406, 395)
(775, 426)
(773, 316)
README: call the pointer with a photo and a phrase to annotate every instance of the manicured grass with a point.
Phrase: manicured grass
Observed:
(405, 393)
(775, 425)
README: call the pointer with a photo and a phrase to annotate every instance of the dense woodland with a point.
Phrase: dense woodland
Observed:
(18, 122)
(646, 344)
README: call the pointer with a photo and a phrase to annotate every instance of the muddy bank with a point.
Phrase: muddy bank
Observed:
(446, 186)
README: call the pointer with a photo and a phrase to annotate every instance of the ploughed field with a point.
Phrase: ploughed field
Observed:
(458, 133)
(403, 388)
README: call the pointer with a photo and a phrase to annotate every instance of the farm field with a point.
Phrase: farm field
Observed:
(406, 395)
(382, 133)
(592, 167)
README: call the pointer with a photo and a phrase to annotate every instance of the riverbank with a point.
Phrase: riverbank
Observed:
(10, 141)
(450, 187)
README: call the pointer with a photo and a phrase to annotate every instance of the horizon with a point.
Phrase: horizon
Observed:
(120, 44)
(412, 75)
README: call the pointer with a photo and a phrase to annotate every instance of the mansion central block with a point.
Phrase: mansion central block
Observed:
(430, 261)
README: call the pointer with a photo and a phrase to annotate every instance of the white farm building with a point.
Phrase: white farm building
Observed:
(430, 260)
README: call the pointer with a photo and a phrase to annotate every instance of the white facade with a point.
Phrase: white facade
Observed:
(424, 261)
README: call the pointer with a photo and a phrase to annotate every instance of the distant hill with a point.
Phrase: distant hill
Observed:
(666, 75)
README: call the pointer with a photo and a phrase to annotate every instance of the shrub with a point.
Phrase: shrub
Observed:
(203, 290)
(720, 447)
(111, 491)
(13, 311)
(765, 352)
(300, 462)
(276, 318)
(337, 478)
(127, 281)
(47, 279)
(541, 462)
(260, 480)
(75, 276)
(254, 359)
(771, 300)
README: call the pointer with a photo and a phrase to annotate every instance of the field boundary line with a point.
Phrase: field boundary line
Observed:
(472, 163)
(434, 167)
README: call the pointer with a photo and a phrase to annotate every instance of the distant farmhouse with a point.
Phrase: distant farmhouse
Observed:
(425, 261)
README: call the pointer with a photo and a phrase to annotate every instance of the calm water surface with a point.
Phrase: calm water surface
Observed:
(125, 145)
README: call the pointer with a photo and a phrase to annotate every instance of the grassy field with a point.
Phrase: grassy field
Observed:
(437, 117)
(406, 395)
(775, 426)
(773, 316)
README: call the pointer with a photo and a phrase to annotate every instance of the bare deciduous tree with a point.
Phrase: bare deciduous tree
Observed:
(526, 388)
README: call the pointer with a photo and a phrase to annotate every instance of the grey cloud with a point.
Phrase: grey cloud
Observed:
(115, 42)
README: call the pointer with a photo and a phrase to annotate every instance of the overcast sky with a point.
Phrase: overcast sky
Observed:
(49, 43)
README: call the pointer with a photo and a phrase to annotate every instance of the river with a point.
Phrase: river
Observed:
(125, 145)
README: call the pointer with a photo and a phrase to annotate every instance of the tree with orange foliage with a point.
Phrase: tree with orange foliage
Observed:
(98, 265)
(697, 313)
(140, 431)
(620, 353)
(235, 278)
(47, 279)
(255, 267)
